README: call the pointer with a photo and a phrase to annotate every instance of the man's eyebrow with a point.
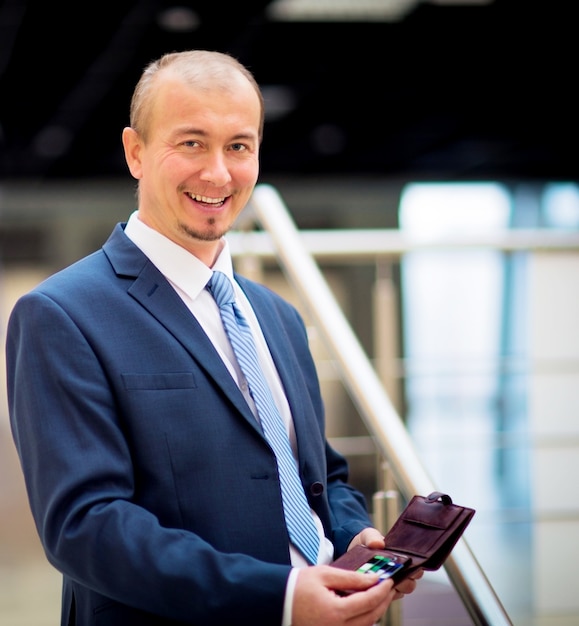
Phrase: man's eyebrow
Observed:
(246, 136)
(189, 130)
(199, 132)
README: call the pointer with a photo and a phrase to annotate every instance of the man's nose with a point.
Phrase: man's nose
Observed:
(215, 169)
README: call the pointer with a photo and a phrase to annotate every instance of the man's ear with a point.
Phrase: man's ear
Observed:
(133, 147)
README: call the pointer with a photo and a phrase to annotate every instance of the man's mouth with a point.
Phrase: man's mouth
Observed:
(216, 202)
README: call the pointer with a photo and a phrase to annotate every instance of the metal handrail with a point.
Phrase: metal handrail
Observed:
(367, 391)
(364, 245)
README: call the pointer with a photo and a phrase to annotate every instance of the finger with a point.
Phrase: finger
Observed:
(406, 586)
(348, 581)
(367, 607)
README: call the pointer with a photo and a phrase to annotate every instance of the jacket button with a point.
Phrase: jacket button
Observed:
(317, 489)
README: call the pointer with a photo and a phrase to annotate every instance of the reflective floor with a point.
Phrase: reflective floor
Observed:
(29, 586)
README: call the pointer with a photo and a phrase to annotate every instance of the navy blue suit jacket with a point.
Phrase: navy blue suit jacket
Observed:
(151, 485)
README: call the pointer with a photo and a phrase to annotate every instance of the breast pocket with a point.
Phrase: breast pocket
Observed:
(159, 381)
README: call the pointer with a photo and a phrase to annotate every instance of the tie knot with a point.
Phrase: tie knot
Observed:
(221, 288)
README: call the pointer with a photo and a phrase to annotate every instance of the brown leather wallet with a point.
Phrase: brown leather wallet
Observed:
(423, 536)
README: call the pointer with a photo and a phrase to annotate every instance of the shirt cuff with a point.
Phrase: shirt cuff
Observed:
(289, 597)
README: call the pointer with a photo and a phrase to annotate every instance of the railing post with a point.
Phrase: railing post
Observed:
(386, 328)
(386, 509)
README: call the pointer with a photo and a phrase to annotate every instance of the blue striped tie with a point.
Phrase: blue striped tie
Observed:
(301, 527)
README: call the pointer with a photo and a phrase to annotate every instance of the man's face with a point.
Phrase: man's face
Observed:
(200, 163)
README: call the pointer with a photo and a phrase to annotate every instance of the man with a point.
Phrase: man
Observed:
(152, 486)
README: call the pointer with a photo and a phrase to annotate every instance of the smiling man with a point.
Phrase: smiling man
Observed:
(193, 145)
(154, 487)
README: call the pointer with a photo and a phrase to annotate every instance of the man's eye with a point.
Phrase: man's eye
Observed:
(190, 144)
(238, 147)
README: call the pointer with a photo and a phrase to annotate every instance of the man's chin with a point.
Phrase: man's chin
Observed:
(211, 232)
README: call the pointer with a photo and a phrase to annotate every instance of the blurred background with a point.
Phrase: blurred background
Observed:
(399, 88)
(450, 120)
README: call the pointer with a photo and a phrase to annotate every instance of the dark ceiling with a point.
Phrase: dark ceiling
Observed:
(449, 92)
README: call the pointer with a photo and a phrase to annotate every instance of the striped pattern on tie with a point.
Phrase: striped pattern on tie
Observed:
(300, 525)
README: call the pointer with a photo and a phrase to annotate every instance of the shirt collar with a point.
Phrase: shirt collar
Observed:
(179, 266)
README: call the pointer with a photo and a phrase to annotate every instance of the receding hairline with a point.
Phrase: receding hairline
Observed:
(194, 67)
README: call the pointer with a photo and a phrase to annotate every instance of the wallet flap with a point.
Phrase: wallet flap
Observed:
(428, 529)
(433, 514)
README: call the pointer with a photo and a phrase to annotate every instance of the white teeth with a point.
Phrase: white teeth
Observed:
(206, 199)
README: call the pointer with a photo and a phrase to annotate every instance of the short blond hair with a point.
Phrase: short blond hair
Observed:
(194, 67)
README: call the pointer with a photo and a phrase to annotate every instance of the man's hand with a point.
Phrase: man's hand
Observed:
(317, 603)
(370, 537)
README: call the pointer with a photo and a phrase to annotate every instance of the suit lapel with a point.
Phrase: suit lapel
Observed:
(155, 294)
